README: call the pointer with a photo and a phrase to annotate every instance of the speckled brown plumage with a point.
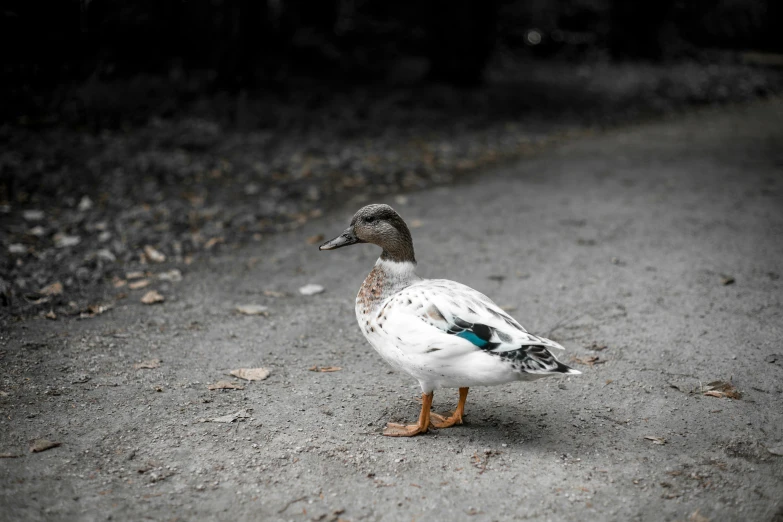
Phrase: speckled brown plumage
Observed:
(371, 292)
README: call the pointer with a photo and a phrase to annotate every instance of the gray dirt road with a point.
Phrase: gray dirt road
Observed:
(623, 240)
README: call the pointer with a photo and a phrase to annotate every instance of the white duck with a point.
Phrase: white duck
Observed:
(443, 333)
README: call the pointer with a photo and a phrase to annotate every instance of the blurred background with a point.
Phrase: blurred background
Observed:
(194, 125)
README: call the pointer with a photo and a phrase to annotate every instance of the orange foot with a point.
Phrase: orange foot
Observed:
(441, 421)
(409, 430)
(403, 430)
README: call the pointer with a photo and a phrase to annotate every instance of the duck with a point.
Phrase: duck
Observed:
(442, 333)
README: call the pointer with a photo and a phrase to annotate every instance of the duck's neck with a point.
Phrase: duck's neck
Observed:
(396, 273)
(399, 248)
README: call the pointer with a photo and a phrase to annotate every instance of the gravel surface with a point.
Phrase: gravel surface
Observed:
(651, 252)
(78, 205)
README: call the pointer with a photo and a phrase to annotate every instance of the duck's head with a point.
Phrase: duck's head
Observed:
(380, 225)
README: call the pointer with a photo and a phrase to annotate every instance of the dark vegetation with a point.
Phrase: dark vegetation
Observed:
(196, 125)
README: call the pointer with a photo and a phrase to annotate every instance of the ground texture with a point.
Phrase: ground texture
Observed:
(653, 253)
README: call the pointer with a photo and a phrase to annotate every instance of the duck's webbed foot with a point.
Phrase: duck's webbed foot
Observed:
(409, 430)
(441, 421)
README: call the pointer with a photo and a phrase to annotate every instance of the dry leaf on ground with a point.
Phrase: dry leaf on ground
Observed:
(588, 361)
(274, 293)
(154, 255)
(776, 450)
(726, 280)
(141, 283)
(312, 240)
(173, 276)
(52, 289)
(656, 440)
(65, 241)
(251, 374)
(149, 364)
(240, 415)
(94, 310)
(138, 274)
(225, 385)
(9, 455)
(253, 309)
(325, 369)
(720, 389)
(311, 289)
(39, 445)
(51, 315)
(152, 297)
(697, 517)
(33, 215)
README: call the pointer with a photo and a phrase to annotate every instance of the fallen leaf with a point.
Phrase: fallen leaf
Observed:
(417, 223)
(325, 369)
(17, 248)
(311, 289)
(312, 240)
(720, 389)
(656, 440)
(274, 293)
(588, 361)
(152, 297)
(225, 385)
(40, 445)
(9, 455)
(697, 517)
(251, 374)
(149, 364)
(52, 289)
(119, 283)
(212, 242)
(85, 204)
(33, 215)
(253, 309)
(94, 310)
(51, 315)
(173, 276)
(141, 283)
(776, 450)
(65, 241)
(104, 254)
(726, 280)
(138, 274)
(240, 415)
(153, 255)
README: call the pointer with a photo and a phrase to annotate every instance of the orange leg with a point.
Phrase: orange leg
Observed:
(409, 430)
(440, 421)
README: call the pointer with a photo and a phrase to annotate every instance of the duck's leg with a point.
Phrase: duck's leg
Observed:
(440, 421)
(409, 430)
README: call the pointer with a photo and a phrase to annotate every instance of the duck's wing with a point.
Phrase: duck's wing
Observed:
(445, 316)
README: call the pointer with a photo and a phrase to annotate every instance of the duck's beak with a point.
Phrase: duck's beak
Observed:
(344, 239)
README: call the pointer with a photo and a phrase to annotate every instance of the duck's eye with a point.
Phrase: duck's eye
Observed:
(370, 219)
